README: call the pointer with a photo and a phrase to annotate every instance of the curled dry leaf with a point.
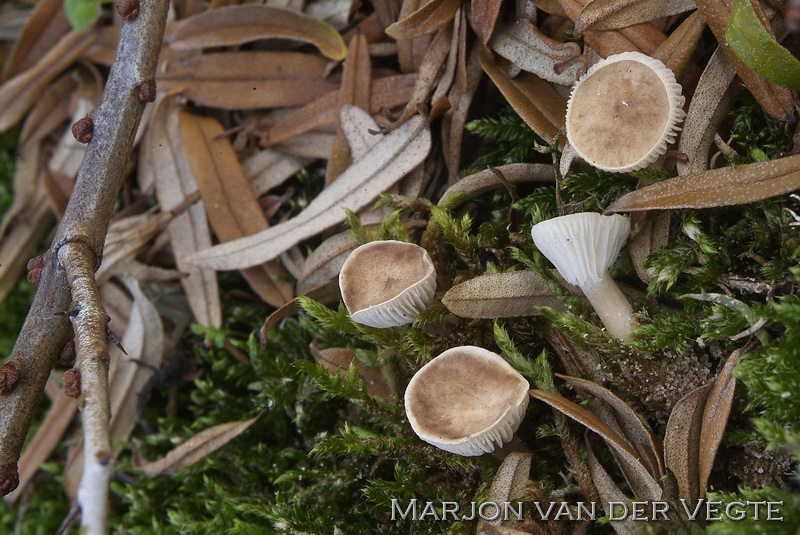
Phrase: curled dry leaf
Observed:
(385, 93)
(776, 100)
(609, 491)
(354, 91)
(708, 108)
(50, 110)
(715, 417)
(17, 246)
(195, 449)
(326, 293)
(651, 234)
(468, 74)
(635, 429)
(433, 15)
(326, 261)
(269, 168)
(523, 44)
(643, 37)
(44, 28)
(163, 156)
(229, 200)
(532, 98)
(508, 484)
(249, 79)
(677, 50)
(18, 94)
(637, 474)
(716, 187)
(483, 16)
(338, 360)
(501, 295)
(235, 25)
(615, 14)
(393, 157)
(479, 183)
(681, 441)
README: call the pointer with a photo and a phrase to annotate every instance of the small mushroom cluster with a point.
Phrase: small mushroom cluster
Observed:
(467, 400)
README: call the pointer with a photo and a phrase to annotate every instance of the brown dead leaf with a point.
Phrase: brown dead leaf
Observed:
(19, 244)
(26, 182)
(508, 486)
(609, 491)
(615, 14)
(635, 472)
(387, 92)
(483, 16)
(717, 187)
(326, 293)
(479, 183)
(635, 429)
(249, 79)
(715, 417)
(393, 157)
(532, 98)
(126, 239)
(523, 44)
(652, 234)
(18, 94)
(776, 100)
(235, 25)
(429, 70)
(682, 439)
(326, 261)
(501, 295)
(50, 110)
(677, 50)
(643, 37)
(709, 107)
(144, 342)
(229, 200)
(269, 168)
(338, 360)
(433, 15)
(356, 79)
(194, 449)
(164, 157)
(45, 27)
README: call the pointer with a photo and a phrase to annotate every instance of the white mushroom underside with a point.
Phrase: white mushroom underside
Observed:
(582, 246)
(488, 440)
(400, 310)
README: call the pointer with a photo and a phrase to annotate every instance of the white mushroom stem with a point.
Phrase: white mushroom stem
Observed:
(611, 305)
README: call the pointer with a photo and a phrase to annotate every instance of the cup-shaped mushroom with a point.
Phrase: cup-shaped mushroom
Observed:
(582, 247)
(387, 283)
(467, 400)
(623, 113)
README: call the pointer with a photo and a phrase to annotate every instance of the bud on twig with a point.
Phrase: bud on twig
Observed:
(9, 478)
(72, 383)
(147, 91)
(35, 266)
(9, 376)
(128, 9)
(83, 129)
(67, 355)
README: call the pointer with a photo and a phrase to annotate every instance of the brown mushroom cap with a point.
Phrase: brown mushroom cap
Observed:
(623, 113)
(467, 401)
(387, 283)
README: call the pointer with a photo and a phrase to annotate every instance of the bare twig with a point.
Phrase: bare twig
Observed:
(69, 265)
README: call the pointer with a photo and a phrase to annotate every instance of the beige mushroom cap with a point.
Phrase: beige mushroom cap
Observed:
(467, 401)
(387, 283)
(623, 113)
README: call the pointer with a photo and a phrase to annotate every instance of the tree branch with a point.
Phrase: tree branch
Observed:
(69, 265)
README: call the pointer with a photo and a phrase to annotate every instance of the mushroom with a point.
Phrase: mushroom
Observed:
(467, 400)
(623, 113)
(387, 283)
(582, 247)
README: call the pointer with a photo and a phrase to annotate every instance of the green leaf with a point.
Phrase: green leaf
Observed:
(748, 38)
(81, 13)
